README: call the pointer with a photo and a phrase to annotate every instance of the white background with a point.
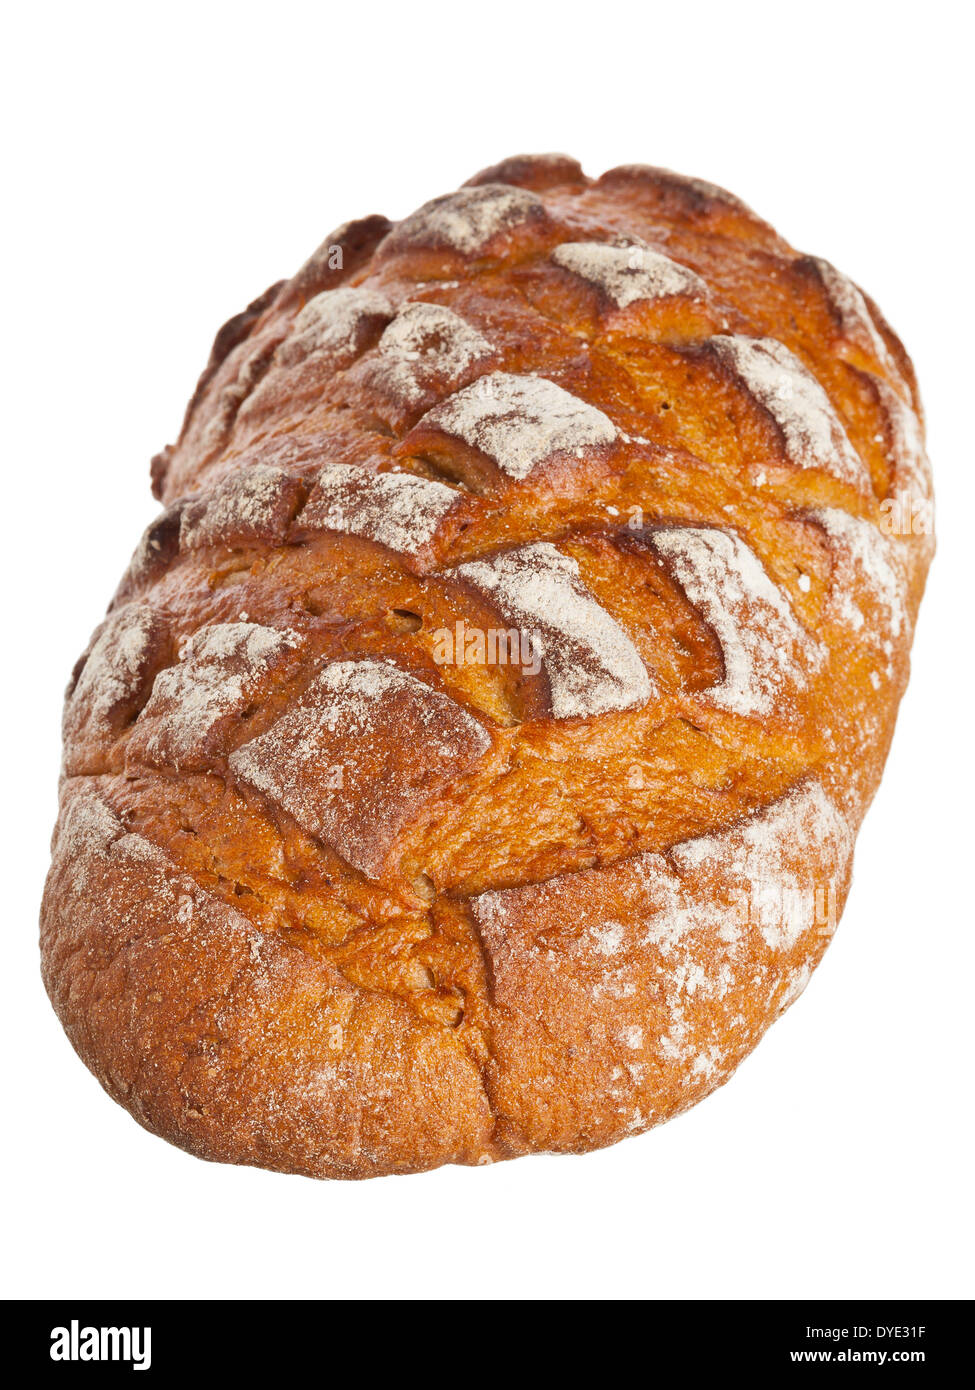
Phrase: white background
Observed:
(165, 163)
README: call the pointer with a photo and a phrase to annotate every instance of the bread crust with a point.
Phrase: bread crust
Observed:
(470, 761)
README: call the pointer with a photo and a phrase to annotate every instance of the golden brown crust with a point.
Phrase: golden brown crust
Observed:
(471, 759)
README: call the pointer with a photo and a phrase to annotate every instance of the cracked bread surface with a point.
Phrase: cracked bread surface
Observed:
(470, 761)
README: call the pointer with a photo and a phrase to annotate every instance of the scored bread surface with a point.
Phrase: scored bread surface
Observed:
(470, 761)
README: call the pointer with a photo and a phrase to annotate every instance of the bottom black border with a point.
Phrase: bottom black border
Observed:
(282, 1337)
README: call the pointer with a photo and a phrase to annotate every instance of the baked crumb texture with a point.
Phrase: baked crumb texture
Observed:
(470, 761)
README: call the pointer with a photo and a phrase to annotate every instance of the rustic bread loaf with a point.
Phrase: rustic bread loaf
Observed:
(470, 761)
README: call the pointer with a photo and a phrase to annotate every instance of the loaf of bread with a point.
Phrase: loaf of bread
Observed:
(470, 761)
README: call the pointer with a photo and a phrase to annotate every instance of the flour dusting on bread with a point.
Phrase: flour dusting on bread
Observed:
(251, 503)
(325, 762)
(521, 422)
(426, 344)
(335, 323)
(118, 667)
(852, 313)
(398, 510)
(628, 274)
(760, 857)
(591, 664)
(766, 651)
(468, 220)
(85, 830)
(812, 433)
(864, 555)
(247, 366)
(907, 454)
(667, 969)
(219, 676)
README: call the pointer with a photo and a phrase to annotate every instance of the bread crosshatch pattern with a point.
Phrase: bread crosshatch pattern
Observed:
(470, 761)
